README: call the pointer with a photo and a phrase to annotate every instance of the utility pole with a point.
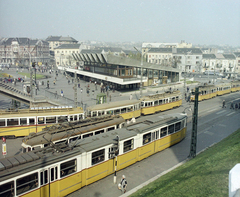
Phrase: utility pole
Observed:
(113, 154)
(193, 145)
(75, 90)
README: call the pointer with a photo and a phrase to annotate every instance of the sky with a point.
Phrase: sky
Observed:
(209, 22)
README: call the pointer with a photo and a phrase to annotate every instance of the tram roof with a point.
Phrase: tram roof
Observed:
(160, 96)
(113, 105)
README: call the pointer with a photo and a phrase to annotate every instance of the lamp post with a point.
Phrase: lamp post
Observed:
(30, 70)
(185, 73)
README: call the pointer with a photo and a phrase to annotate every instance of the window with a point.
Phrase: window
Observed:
(128, 145)
(7, 189)
(177, 126)
(44, 177)
(27, 183)
(68, 167)
(51, 119)
(12, 122)
(31, 121)
(41, 120)
(98, 156)
(171, 129)
(23, 121)
(87, 135)
(146, 138)
(163, 131)
(53, 172)
(98, 132)
(2, 122)
(156, 103)
(111, 128)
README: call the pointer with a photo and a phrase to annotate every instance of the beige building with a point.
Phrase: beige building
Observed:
(63, 54)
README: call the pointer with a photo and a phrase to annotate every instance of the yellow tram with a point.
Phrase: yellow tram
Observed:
(160, 102)
(127, 109)
(205, 92)
(45, 172)
(22, 122)
(224, 88)
(235, 86)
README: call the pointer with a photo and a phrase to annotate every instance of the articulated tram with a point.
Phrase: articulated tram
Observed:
(63, 168)
(71, 131)
(22, 122)
(211, 91)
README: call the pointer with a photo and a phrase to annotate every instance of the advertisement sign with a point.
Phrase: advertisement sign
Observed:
(4, 149)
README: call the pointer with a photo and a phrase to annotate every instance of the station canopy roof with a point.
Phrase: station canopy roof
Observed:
(93, 58)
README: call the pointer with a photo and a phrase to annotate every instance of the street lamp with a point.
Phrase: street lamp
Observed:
(184, 84)
(30, 70)
(142, 54)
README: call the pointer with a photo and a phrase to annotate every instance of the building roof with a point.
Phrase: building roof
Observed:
(68, 39)
(229, 56)
(160, 50)
(209, 56)
(237, 54)
(53, 38)
(68, 46)
(189, 50)
(21, 41)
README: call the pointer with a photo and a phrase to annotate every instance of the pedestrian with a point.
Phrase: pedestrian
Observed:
(187, 89)
(72, 80)
(130, 98)
(223, 104)
(79, 85)
(68, 81)
(236, 106)
(123, 184)
(231, 106)
(54, 82)
(185, 96)
(62, 93)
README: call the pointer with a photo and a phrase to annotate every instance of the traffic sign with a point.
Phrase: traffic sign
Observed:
(4, 139)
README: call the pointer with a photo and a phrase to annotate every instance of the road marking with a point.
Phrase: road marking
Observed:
(222, 125)
(221, 112)
(211, 110)
(208, 132)
(231, 113)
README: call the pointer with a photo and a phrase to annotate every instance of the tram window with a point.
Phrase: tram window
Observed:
(157, 134)
(117, 111)
(94, 114)
(23, 121)
(110, 128)
(52, 174)
(31, 121)
(12, 122)
(98, 156)
(155, 103)
(74, 139)
(80, 116)
(51, 119)
(129, 109)
(163, 131)
(177, 126)
(2, 122)
(62, 141)
(7, 189)
(46, 145)
(183, 124)
(153, 136)
(36, 148)
(87, 135)
(100, 113)
(44, 177)
(124, 110)
(98, 132)
(68, 167)
(177, 98)
(171, 129)
(27, 183)
(142, 104)
(170, 100)
(41, 120)
(56, 173)
(173, 99)
(146, 104)
(160, 102)
(128, 145)
(62, 119)
(146, 138)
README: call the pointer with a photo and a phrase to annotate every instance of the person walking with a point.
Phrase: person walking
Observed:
(123, 184)
(231, 106)
(61, 93)
(236, 106)
(223, 104)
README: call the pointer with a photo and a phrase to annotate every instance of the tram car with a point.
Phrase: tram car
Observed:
(22, 122)
(205, 92)
(224, 88)
(235, 86)
(68, 132)
(63, 168)
(128, 109)
(160, 102)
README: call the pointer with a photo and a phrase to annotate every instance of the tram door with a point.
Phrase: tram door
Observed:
(49, 186)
